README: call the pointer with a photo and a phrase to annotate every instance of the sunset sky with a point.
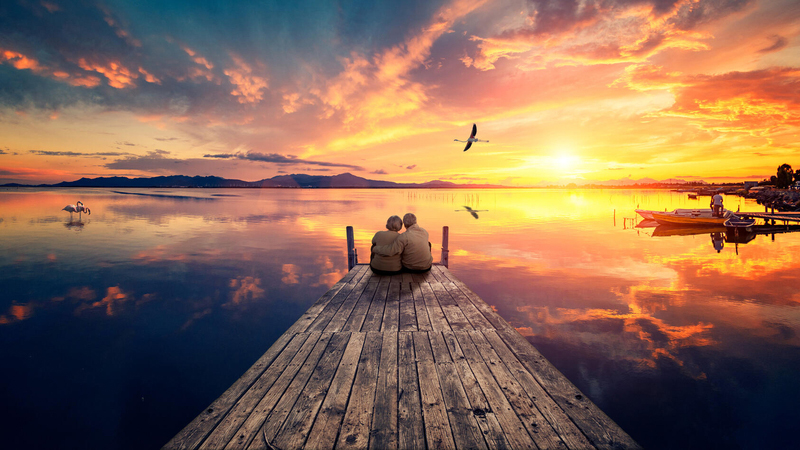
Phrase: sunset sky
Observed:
(563, 90)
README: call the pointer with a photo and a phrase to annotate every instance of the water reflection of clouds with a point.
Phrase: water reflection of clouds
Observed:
(636, 337)
(244, 291)
(17, 312)
(629, 303)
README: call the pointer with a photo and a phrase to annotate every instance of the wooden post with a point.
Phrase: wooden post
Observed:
(352, 256)
(445, 249)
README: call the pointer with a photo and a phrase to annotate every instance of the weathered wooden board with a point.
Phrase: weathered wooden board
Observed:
(410, 361)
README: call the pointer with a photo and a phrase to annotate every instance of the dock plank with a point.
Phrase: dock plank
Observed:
(514, 431)
(374, 318)
(558, 419)
(322, 319)
(435, 313)
(593, 422)
(342, 314)
(408, 313)
(278, 375)
(420, 309)
(410, 426)
(198, 429)
(454, 314)
(294, 373)
(464, 425)
(383, 433)
(354, 432)
(473, 314)
(485, 417)
(409, 361)
(438, 433)
(359, 314)
(288, 424)
(325, 426)
(391, 315)
(539, 429)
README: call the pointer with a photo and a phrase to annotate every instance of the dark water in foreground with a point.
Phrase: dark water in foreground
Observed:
(118, 328)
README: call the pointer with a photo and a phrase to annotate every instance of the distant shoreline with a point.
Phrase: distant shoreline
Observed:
(463, 186)
(344, 181)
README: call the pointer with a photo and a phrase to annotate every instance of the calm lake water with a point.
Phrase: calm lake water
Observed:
(117, 329)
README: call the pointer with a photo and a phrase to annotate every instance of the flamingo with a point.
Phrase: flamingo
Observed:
(472, 138)
(78, 208)
(474, 212)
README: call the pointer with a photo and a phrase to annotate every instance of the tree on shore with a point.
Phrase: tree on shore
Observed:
(784, 177)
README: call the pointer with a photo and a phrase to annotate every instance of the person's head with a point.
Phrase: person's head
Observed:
(409, 219)
(394, 223)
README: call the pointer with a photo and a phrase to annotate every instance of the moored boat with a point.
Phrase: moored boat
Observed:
(691, 217)
(645, 213)
(739, 222)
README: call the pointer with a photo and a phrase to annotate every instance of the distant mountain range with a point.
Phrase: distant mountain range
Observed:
(345, 180)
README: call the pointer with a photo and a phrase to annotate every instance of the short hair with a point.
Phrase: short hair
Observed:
(409, 219)
(394, 223)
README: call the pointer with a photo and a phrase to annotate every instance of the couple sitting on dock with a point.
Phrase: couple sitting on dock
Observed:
(394, 253)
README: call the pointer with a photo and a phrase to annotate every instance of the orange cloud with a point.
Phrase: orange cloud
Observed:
(150, 78)
(196, 58)
(375, 88)
(118, 75)
(759, 102)
(249, 88)
(18, 60)
(203, 68)
(34, 174)
(574, 34)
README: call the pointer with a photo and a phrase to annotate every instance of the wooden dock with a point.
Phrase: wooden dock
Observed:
(774, 216)
(412, 361)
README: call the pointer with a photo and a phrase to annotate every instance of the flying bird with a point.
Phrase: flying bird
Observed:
(474, 212)
(472, 138)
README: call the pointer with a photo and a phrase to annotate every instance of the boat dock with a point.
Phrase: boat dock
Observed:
(411, 361)
(774, 216)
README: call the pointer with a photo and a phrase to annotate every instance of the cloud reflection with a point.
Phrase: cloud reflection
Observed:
(113, 302)
(244, 291)
(17, 312)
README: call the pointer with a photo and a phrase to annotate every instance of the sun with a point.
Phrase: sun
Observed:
(565, 161)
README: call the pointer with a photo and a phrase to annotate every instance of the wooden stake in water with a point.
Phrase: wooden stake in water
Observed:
(352, 256)
(445, 242)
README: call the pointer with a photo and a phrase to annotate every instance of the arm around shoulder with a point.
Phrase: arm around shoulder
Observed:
(394, 248)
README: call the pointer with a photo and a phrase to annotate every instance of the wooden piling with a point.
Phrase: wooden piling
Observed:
(352, 256)
(445, 246)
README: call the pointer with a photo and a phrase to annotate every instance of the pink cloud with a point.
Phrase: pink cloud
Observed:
(756, 102)
(248, 87)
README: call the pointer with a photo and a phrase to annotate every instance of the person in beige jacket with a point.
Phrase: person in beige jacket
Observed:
(386, 265)
(412, 246)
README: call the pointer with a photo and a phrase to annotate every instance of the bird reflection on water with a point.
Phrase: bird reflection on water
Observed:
(474, 212)
(76, 224)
